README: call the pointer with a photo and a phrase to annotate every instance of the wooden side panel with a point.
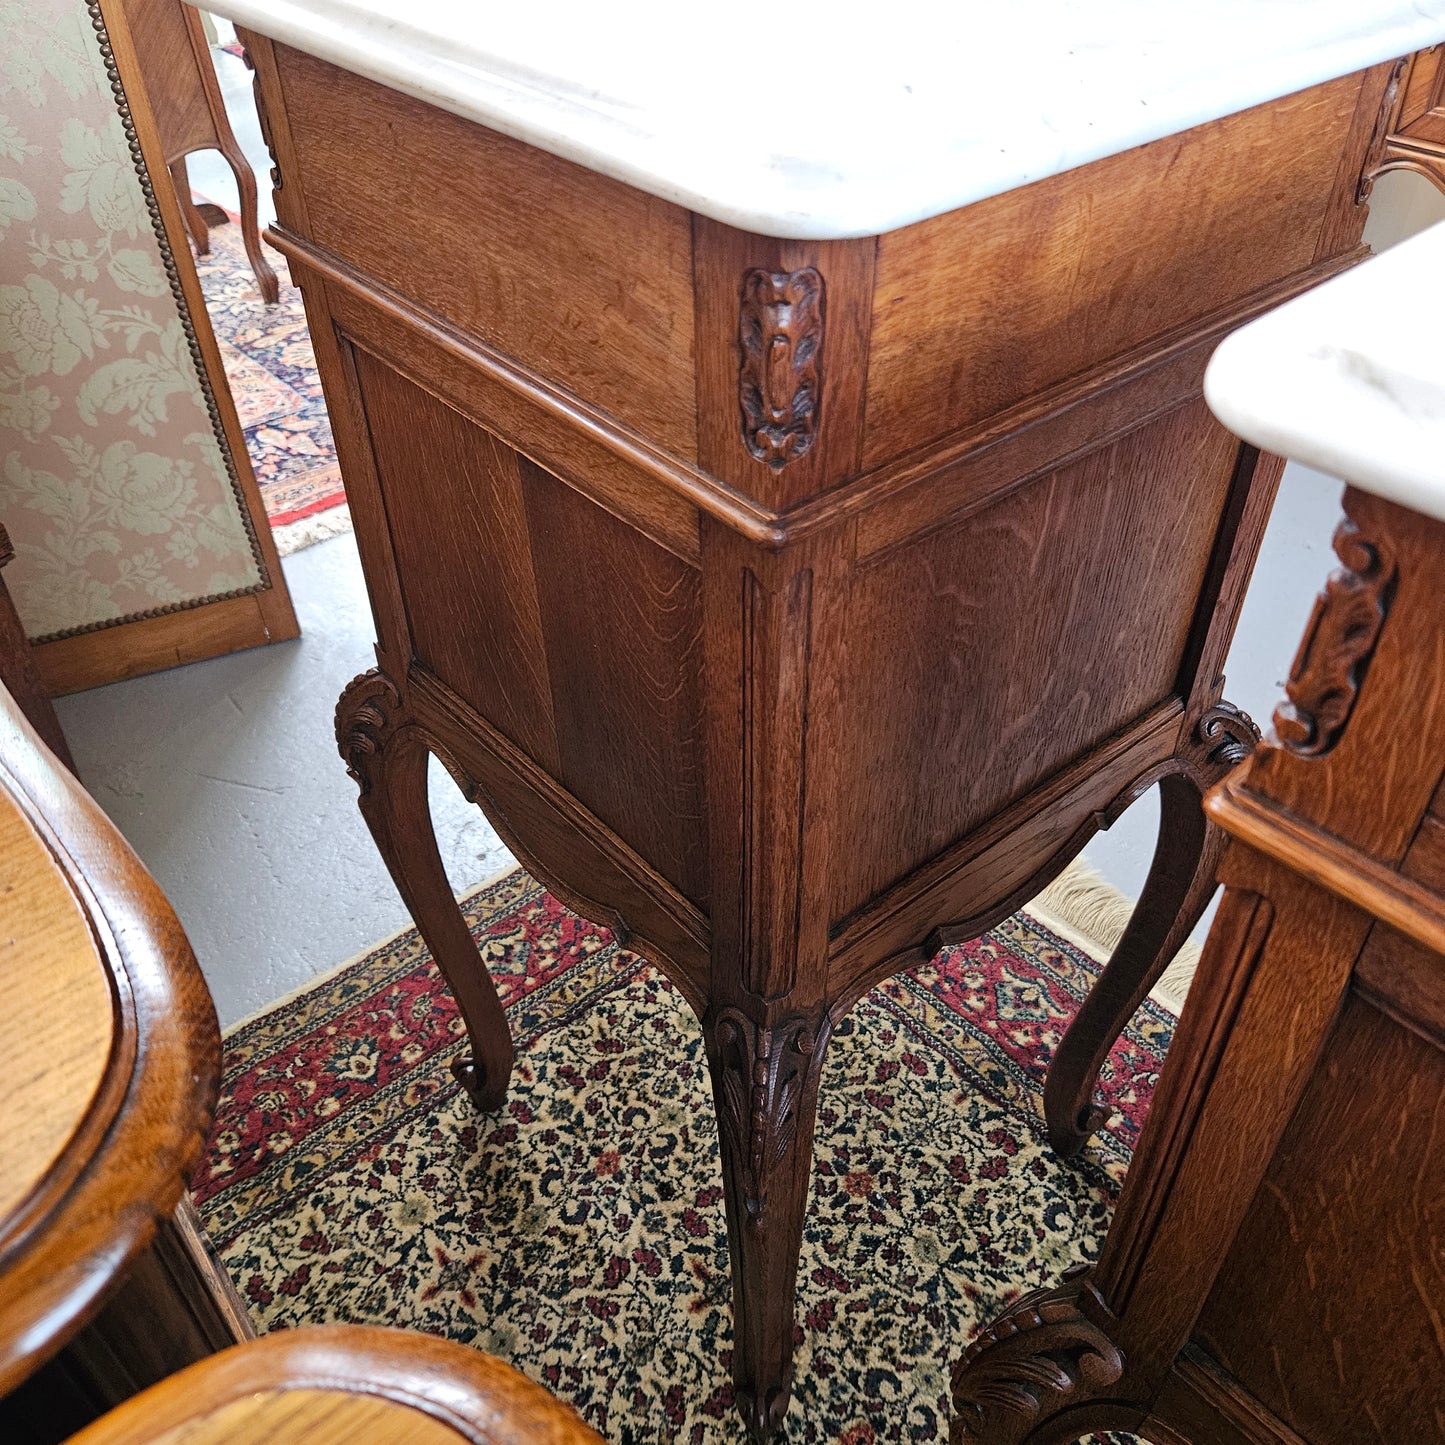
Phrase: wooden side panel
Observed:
(575, 636)
(574, 275)
(169, 68)
(622, 619)
(1355, 1197)
(1420, 116)
(991, 652)
(1032, 287)
(453, 496)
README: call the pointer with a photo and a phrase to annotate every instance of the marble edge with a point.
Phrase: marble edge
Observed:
(1329, 381)
(799, 197)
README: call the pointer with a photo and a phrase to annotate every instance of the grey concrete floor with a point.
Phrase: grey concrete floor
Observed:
(225, 778)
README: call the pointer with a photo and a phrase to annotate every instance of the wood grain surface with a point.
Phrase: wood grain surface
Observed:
(57, 1010)
(582, 278)
(793, 607)
(1052, 279)
(344, 1385)
(1274, 1269)
(304, 1417)
(131, 1118)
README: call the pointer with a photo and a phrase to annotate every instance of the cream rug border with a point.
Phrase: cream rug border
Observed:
(1086, 910)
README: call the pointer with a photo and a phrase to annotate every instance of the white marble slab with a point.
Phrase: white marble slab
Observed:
(1350, 377)
(844, 119)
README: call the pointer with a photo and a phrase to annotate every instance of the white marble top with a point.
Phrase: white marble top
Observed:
(1350, 377)
(843, 119)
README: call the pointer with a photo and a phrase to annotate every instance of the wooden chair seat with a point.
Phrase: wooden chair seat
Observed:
(351, 1384)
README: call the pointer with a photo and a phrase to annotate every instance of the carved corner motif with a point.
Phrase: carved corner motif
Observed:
(366, 713)
(780, 328)
(263, 120)
(1041, 1355)
(763, 1077)
(1226, 736)
(1339, 641)
(1375, 164)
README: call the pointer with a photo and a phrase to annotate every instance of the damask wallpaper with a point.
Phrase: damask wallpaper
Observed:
(115, 482)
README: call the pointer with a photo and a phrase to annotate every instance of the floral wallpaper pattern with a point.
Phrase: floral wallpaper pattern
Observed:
(115, 485)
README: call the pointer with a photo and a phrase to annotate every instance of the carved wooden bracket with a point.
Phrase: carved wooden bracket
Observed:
(262, 118)
(365, 715)
(1227, 735)
(1042, 1353)
(764, 1074)
(1338, 643)
(780, 328)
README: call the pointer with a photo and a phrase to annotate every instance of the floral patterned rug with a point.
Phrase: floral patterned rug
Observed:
(269, 363)
(579, 1233)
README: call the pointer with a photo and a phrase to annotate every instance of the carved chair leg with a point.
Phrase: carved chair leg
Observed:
(388, 759)
(1048, 1354)
(765, 1086)
(1180, 884)
(190, 212)
(250, 221)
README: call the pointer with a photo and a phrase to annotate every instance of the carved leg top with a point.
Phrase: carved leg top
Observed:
(765, 1085)
(1041, 1355)
(1224, 737)
(366, 714)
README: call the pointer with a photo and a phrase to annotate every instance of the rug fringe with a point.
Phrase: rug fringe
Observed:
(1086, 910)
(307, 531)
(318, 980)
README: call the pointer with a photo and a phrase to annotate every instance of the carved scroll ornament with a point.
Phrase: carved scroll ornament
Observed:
(1338, 644)
(780, 329)
(365, 715)
(1226, 735)
(1041, 1353)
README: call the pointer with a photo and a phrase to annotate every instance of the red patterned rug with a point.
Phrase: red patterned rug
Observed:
(269, 363)
(578, 1232)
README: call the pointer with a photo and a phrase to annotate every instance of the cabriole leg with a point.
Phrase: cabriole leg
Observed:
(387, 756)
(1178, 889)
(765, 1085)
(250, 220)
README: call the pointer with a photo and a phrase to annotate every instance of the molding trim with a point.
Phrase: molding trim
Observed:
(1328, 862)
(774, 529)
(776, 644)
